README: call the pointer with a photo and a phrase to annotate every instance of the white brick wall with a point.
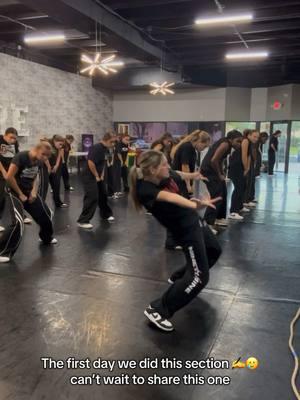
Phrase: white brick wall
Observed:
(58, 102)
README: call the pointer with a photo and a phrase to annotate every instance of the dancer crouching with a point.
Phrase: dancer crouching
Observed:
(156, 188)
(22, 179)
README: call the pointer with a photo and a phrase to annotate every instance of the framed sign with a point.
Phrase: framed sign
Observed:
(87, 141)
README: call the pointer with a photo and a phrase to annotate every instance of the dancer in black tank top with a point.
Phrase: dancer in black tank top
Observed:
(212, 168)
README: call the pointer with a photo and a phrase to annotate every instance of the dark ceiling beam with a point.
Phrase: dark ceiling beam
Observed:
(182, 16)
(121, 5)
(257, 29)
(208, 44)
(76, 51)
(82, 15)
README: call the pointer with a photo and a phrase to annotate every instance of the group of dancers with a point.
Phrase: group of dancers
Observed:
(163, 182)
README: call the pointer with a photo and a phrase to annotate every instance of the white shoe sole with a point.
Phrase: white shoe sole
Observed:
(85, 227)
(152, 319)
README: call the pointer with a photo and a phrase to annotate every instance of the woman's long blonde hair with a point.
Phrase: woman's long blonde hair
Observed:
(193, 137)
(147, 160)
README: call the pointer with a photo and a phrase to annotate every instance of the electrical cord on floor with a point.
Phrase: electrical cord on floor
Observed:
(296, 368)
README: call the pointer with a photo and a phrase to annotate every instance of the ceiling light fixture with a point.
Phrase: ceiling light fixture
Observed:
(105, 65)
(229, 19)
(247, 55)
(44, 38)
(163, 88)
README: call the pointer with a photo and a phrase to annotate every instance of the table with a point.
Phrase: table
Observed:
(78, 156)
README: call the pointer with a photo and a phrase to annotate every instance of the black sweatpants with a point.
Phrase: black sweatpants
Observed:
(216, 188)
(271, 161)
(124, 175)
(66, 176)
(250, 184)
(201, 251)
(237, 199)
(95, 194)
(54, 180)
(2, 196)
(43, 182)
(12, 236)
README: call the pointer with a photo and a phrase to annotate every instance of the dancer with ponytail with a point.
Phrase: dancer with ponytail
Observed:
(156, 188)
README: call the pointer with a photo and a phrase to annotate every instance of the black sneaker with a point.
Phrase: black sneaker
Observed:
(158, 320)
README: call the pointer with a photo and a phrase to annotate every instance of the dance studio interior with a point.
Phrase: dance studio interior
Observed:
(149, 199)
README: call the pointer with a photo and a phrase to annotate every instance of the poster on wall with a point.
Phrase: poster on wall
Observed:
(215, 129)
(87, 140)
(177, 129)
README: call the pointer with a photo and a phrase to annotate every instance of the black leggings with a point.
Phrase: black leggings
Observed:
(250, 184)
(201, 250)
(124, 174)
(271, 162)
(239, 181)
(65, 175)
(216, 188)
(12, 236)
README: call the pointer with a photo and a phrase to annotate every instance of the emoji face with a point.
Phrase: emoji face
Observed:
(252, 363)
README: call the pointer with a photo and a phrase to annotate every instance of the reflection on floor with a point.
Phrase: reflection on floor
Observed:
(85, 298)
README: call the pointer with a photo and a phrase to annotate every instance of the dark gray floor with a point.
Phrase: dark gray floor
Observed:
(85, 298)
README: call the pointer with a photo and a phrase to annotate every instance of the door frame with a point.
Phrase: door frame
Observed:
(288, 142)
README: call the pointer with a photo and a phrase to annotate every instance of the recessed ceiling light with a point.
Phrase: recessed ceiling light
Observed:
(246, 55)
(44, 38)
(224, 19)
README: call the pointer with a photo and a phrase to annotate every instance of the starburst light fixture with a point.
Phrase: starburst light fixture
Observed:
(104, 65)
(163, 88)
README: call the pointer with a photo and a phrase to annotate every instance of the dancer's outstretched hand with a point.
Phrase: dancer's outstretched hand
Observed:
(197, 176)
(206, 202)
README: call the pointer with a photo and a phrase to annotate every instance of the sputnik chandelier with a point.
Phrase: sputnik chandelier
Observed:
(99, 63)
(104, 65)
(163, 88)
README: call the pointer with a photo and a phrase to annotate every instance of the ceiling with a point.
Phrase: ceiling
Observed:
(146, 33)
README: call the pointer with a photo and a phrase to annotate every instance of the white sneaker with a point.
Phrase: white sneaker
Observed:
(236, 216)
(222, 222)
(111, 218)
(245, 209)
(2, 229)
(85, 226)
(53, 241)
(27, 221)
(214, 231)
(178, 248)
(250, 204)
(4, 260)
(71, 189)
(258, 177)
(161, 322)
